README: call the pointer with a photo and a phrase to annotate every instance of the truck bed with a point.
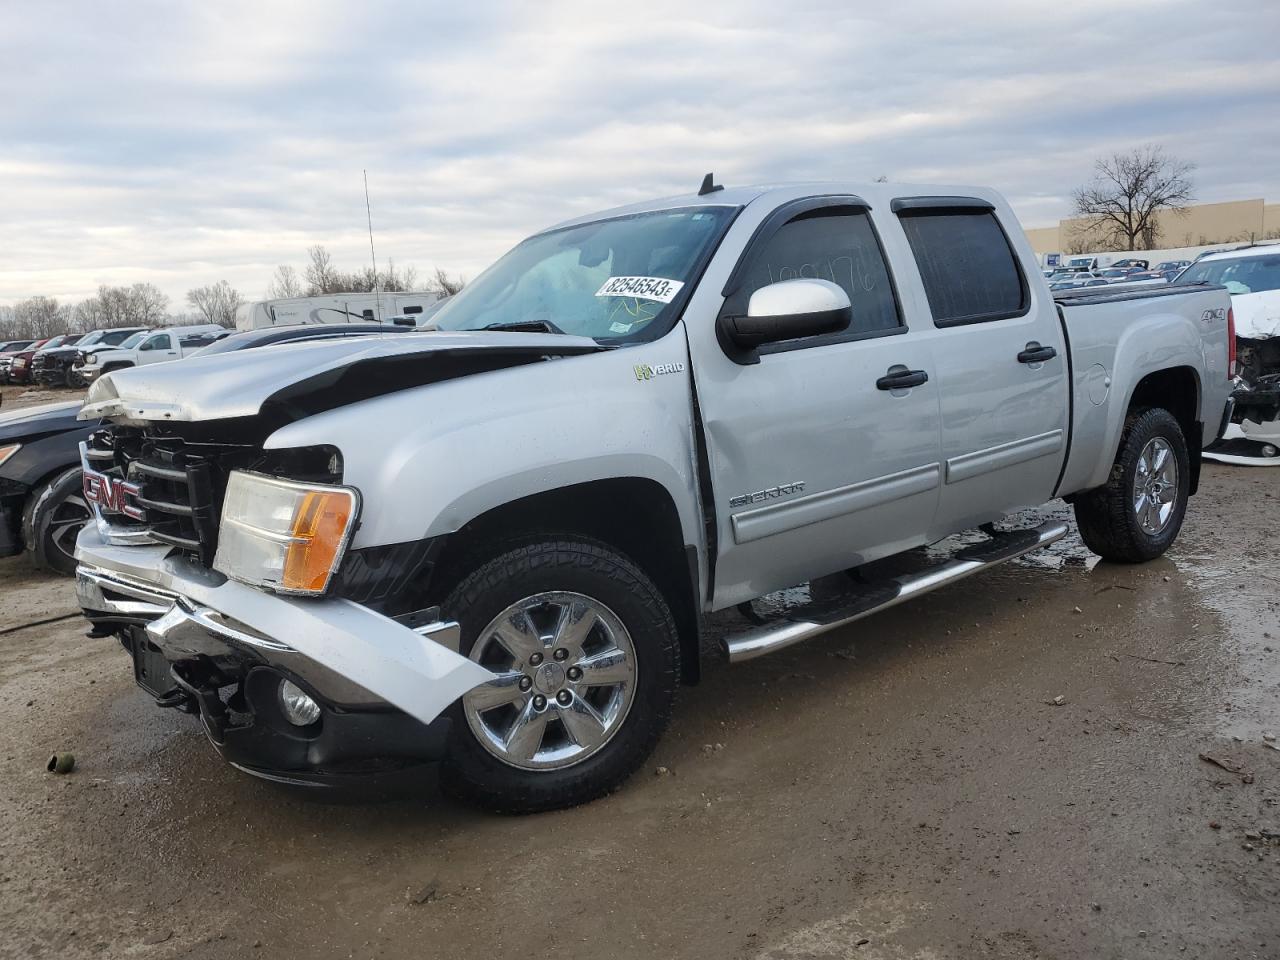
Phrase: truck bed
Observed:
(1142, 330)
(1114, 293)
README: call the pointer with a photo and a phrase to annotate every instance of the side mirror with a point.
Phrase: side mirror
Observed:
(786, 310)
(147, 346)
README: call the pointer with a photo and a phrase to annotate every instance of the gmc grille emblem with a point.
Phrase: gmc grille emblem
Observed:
(112, 494)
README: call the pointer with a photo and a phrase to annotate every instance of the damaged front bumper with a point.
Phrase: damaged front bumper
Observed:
(221, 649)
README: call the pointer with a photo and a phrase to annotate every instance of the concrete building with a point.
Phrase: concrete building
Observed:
(1204, 224)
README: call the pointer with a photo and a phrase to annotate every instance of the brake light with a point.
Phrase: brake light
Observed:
(1231, 344)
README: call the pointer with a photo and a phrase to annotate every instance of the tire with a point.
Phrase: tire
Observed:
(565, 755)
(53, 517)
(72, 379)
(1109, 518)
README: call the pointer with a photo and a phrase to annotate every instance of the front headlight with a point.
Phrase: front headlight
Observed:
(284, 535)
(88, 358)
(8, 451)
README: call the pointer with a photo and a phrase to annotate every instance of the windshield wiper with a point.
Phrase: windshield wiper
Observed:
(516, 326)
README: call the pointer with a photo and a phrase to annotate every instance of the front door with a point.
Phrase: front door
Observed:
(816, 464)
(157, 348)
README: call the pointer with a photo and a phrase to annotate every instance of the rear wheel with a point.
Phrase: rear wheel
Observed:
(586, 663)
(53, 518)
(1137, 514)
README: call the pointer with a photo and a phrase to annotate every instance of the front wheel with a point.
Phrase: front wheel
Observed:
(586, 662)
(52, 520)
(1137, 514)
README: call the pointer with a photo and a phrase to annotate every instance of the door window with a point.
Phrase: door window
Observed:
(159, 342)
(832, 243)
(969, 271)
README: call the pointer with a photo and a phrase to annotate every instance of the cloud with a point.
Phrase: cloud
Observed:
(182, 145)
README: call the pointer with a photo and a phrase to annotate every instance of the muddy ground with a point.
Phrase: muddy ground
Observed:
(906, 788)
(15, 396)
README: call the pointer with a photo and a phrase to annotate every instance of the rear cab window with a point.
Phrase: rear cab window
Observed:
(967, 265)
(836, 243)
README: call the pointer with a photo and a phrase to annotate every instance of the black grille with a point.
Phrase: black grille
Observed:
(179, 499)
(180, 485)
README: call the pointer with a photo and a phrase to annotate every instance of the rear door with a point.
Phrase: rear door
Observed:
(814, 467)
(1001, 362)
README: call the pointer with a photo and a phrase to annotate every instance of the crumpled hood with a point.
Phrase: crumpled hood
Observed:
(306, 377)
(1257, 315)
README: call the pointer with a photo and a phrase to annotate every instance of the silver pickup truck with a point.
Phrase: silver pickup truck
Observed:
(496, 544)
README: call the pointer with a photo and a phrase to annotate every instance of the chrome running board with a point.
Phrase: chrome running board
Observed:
(807, 622)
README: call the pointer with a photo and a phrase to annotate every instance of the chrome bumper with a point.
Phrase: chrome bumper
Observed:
(349, 654)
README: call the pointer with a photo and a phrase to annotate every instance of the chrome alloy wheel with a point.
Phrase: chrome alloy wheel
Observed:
(1155, 486)
(65, 523)
(566, 676)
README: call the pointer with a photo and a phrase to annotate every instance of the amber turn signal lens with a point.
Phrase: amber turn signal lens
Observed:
(319, 529)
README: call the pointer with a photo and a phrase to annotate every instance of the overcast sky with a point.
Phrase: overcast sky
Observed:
(186, 143)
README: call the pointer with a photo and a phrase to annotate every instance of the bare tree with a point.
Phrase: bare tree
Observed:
(218, 303)
(446, 285)
(141, 305)
(1129, 190)
(321, 275)
(284, 283)
(35, 317)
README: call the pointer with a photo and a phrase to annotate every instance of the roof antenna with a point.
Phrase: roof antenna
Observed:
(377, 285)
(709, 185)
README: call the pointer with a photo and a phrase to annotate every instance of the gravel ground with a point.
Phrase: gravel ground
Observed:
(909, 787)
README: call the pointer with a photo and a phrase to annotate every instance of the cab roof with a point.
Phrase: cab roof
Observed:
(877, 195)
(1240, 253)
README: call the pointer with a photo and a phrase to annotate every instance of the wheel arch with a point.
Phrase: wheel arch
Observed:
(1176, 389)
(635, 515)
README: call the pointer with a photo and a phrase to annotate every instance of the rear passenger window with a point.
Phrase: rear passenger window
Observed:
(969, 271)
(836, 244)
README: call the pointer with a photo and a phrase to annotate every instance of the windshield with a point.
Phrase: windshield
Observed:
(609, 279)
(111, 338)
(90, 338)
(134, 340)
(1239, 274)
(55, 342)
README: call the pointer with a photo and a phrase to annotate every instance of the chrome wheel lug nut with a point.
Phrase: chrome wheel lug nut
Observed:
(575, 673)
(539, 702)
(562, 654)
(525, 683)
(563, 698)
(535, 659)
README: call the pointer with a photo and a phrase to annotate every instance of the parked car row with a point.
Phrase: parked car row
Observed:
(42, 507)
(77, 359)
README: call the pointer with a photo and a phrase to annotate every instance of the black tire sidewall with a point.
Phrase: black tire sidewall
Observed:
(1150, 425)
(595, 570)
(37, 516)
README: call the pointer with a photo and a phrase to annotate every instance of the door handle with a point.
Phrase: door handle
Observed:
(1034, 353)
(902, 379)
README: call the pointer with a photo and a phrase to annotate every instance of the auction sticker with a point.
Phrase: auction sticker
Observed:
(643, 288)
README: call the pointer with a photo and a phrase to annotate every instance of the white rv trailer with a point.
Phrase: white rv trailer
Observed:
(334, 308)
